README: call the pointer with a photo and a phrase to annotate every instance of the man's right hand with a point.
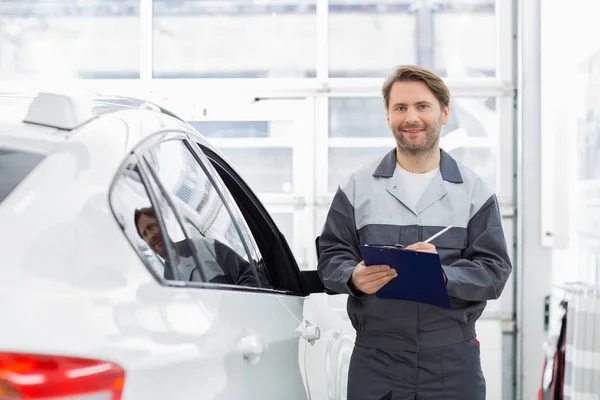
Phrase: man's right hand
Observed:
(372, 278)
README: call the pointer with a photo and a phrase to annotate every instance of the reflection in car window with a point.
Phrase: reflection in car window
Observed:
(128, 194)
(205, 217)
(153, 227)
(207, 222)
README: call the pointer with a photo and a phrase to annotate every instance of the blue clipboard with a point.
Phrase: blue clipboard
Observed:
(420, 275)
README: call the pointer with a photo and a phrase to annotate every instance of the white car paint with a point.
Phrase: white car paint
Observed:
(71, 284)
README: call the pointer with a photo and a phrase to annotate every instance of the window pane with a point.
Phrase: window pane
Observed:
(340, 168)
(245, 129)
(15, 166)
(454, 38)
(265, 170)
(234, 39)
(232, 129)
(357, 117)
(483, 160)
(285, 223)
(70, 39)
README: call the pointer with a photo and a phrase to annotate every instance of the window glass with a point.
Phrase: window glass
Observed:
(265, 169)
(340, 168)
(15, 165)
(232, 129)
(455, 38)
(70, 39)
(234, 39)
(207, 222)
(184, 233)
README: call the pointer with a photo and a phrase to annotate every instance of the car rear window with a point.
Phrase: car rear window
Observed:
(14, 167)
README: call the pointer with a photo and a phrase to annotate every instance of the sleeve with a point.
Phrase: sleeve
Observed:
(238, 271)
(485, 265)
(339, 246)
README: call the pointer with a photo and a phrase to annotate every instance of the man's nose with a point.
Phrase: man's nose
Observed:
(411, 116)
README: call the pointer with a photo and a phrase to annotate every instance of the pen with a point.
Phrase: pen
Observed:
(438, 234)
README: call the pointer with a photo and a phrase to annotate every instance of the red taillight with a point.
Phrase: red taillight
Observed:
(32, 376)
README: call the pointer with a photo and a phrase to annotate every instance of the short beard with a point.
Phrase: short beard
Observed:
(427, 148)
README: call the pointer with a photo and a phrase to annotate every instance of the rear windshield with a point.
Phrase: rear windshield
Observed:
(14, 166)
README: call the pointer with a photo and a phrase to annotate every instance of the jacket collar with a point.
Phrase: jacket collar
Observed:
(448, 167)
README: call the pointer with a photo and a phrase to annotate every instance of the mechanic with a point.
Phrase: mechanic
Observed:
(409, 350)
(219, 263)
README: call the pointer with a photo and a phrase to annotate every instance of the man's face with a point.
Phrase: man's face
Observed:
(415, 117)
(150, 231)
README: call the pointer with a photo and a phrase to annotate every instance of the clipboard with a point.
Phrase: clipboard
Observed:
(420, 275)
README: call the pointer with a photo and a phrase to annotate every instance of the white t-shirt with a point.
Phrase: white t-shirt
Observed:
(416, 184)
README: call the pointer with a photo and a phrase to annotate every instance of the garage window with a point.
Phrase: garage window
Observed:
(15, 166)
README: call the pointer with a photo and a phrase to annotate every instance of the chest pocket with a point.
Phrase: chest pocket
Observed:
(450, 244)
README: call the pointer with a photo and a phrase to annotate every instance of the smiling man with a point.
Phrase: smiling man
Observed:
(407, 350)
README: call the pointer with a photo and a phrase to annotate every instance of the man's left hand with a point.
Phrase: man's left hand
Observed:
(422, 246)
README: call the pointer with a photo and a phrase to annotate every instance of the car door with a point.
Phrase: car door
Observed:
(328, 334)
(257, 329)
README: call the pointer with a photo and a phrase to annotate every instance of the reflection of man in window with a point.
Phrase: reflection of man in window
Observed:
(218, 262)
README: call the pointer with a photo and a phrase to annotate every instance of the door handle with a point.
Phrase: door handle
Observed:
(310, 332)
(251, 348)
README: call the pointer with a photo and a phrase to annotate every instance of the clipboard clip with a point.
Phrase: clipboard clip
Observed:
(387, 246)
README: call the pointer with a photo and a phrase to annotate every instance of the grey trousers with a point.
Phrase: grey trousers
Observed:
(444, 373)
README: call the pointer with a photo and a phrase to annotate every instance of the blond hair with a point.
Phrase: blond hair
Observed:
(414, 73)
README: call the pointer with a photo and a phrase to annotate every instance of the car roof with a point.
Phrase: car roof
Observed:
(39, 121)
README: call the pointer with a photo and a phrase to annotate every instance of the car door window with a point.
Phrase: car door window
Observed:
(207, 222)
(184, 224)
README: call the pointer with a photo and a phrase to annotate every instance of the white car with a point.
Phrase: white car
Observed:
(137, 264)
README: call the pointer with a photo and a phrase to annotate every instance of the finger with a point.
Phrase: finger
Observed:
(374, 286)
(422, 247)
(375, 277)
(373, 269)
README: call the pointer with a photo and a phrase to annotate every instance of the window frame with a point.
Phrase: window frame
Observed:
(137, 155)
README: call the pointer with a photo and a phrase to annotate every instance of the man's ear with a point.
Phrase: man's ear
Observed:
(445, 115)
(387, 118)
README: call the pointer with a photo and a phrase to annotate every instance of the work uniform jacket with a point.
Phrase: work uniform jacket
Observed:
(372, 207)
